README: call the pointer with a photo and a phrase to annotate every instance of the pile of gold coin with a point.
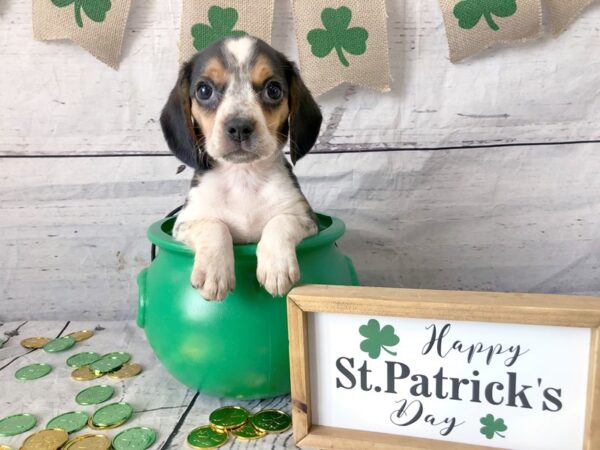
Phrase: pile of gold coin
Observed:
(239, 423)
(58, 344)
(55, 439)
(87, 366)
(56, 434)
(90, 366)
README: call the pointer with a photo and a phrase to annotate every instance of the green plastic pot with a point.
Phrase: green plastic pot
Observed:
(237, 348)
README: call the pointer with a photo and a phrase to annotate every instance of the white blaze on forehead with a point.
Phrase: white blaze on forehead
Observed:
(240, 98)
(241, 49)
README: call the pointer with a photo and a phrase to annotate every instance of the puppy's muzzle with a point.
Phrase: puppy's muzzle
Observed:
(240, 129)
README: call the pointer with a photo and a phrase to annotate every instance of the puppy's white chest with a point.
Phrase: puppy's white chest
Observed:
(246, 207)
(244, 200)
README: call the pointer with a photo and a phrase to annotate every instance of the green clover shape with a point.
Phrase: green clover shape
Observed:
(222, 21)
(377, 339)
(492, 426)
(470, 12)
(94, 9)
(337, 35)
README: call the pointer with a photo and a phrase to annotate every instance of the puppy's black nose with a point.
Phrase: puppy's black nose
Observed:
(239, 129)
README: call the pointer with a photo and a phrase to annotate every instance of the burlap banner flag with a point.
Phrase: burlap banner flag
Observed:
(473, 25)
(96, 25)
(562, 12)
(206, 21)
(342, 41)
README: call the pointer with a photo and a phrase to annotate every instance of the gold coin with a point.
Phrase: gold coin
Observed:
(206, 437)
(4, 447)
(50, 439)
(93, 426)
(35, 342)
(271, 421)
(127, 371)
(81, 335)
(248, 433)
(88, 442)
(228, 417)
(84, 374)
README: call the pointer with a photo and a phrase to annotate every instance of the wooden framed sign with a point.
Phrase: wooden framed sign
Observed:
(379, 368)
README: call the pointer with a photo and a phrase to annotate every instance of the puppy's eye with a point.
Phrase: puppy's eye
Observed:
(274, 90)
(205, 91)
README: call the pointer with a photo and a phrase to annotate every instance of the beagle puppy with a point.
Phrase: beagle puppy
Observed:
(229, 117)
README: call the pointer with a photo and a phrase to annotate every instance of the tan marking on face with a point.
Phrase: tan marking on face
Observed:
(205, 119)
(276, 117)
(216, 72)
(261, 71)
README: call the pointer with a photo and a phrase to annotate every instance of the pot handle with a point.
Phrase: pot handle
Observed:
(142, 300)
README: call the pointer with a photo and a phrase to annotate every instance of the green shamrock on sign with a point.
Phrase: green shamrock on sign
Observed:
(94, 9)
(222, 21)
(491, 426)
(377, 339)
(337, 35)
(469, 12)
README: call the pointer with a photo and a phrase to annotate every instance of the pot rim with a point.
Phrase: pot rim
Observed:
(330, 230)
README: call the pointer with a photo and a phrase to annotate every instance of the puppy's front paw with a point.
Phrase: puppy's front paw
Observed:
(277, 269)
(213, 277)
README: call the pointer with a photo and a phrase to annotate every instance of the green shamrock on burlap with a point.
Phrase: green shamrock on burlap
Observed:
(94, 9)
(492, 426)
(337, 35)
(470, 12)
(377, 339)
(222, 21)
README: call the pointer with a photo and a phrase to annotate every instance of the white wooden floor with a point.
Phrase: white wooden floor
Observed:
(159, 401)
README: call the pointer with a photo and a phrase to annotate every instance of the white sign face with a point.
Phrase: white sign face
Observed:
(500, 385)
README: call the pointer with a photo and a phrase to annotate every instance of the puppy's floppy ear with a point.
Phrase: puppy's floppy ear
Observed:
(305, 118)
(176, 121)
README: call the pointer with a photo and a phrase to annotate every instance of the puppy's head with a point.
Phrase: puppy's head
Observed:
(237, 102)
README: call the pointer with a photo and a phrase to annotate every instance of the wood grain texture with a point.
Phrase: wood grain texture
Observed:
(158, 400)
(494, 307)
(299, 371)
(592, 426)
(72, 238)
(530, 309)
(58, 100)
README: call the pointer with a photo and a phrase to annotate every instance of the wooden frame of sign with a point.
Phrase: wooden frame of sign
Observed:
(528, 309)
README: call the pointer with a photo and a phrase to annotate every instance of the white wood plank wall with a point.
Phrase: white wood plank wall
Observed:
(482, 175)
